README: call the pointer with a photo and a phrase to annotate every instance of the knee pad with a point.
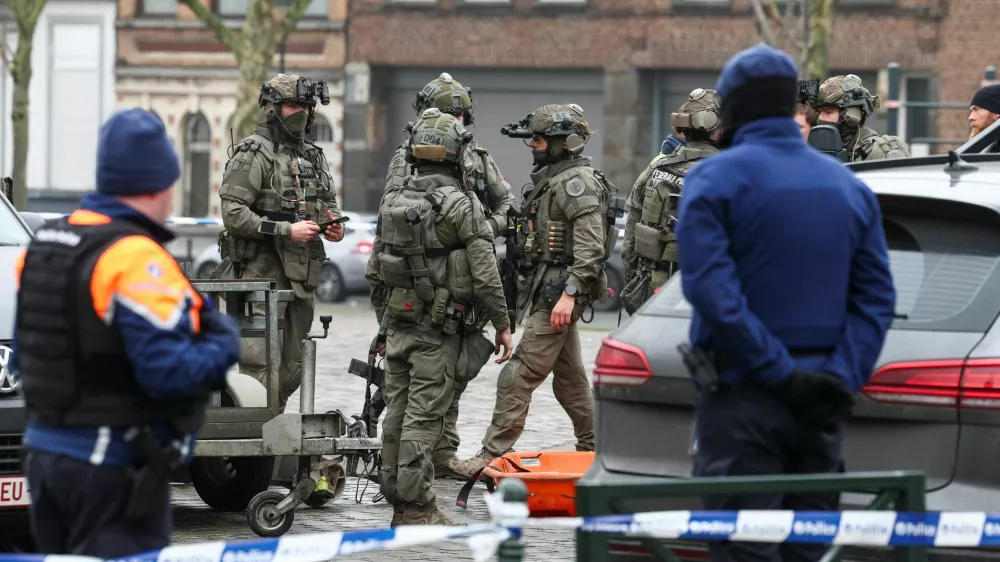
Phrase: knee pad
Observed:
(508, 376)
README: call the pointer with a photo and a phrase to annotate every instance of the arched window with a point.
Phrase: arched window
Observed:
(321, 131)
(197, 165)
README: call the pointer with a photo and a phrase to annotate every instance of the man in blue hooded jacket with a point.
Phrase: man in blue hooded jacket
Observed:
(784, 262)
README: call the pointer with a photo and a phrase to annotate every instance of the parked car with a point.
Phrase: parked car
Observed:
(15, 234)
(343, 272)
(933, 402)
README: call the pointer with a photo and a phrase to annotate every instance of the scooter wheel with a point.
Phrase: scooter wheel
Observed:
(262, 517)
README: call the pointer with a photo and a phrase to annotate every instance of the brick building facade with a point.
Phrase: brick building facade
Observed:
(170, 63)
(629, 63)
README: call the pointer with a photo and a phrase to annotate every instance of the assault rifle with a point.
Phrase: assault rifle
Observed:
(373, 375)
(508, 267)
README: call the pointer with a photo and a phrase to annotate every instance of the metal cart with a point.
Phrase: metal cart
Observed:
(245, 432)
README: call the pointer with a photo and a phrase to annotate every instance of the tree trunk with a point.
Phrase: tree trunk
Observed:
(257, 44)
(820, 28)
(21, 76)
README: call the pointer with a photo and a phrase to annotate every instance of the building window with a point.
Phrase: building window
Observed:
(197, 165)
(238, 8)
(321, 131)
(158, 7)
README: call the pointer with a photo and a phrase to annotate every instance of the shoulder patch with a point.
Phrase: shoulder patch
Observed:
(575, 187)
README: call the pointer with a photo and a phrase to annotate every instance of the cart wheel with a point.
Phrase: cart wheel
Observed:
(262, 518)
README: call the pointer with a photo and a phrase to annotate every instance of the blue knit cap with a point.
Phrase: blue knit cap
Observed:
(134, 156)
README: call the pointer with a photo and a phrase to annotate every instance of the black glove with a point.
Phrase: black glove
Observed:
(819, 398)
(215, 322)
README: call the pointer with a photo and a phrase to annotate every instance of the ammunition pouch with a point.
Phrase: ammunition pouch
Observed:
(238, 249)
(395, 271)
(475, 352)
(446, 314)
(558, 246)
(650, 242)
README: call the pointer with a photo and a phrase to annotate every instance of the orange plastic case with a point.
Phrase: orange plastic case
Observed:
(549, 476)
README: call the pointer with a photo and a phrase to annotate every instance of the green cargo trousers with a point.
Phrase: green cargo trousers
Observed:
(542, 350)
(447, 447)
(420, 371)
(298, 318)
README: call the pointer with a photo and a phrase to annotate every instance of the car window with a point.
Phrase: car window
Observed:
(944, 270)
(12, 232)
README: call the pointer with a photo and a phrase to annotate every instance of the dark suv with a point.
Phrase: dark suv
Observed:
(15, 234)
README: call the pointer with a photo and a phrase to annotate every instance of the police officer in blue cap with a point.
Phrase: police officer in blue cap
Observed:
(784, 261)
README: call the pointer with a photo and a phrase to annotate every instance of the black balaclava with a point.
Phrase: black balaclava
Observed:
(554, 152)
(757, 98)
(848, 124)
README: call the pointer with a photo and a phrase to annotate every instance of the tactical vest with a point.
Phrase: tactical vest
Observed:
(887, 145)
(655, 240)
(428, 281)
(73, 365)
(293, 184)
(544, 239)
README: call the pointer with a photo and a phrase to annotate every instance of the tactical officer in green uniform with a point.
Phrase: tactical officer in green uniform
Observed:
(481, 176)
(432, 263)
(481, 173)
(846, 104)
(565, 233)
(649, 252)
(275, 192)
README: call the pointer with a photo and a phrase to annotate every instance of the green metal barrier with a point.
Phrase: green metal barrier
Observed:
(902, 490)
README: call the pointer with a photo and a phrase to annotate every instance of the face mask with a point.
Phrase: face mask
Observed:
(540, 157)
(295, 124)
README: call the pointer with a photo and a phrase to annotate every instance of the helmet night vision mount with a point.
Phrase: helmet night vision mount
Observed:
(307, 91)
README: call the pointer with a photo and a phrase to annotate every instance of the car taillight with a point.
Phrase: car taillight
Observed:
(620, 364)
(361, 248)
(938, 383)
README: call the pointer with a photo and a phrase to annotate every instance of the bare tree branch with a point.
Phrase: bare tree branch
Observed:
(213, 22)
(8, 59)
(293, 14)
(765, 27)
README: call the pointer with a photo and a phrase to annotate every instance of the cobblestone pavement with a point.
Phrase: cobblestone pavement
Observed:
(353, 326)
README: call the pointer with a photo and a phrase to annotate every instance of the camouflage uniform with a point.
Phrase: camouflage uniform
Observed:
(856, 105)
(481, 175)
(649, 251)
(564, 238)
(432, 261)
(259, 188)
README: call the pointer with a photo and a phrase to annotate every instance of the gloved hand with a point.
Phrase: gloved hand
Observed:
(819, 398)
(215, 322)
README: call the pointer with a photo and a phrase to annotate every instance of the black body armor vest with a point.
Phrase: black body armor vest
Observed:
(73, 367)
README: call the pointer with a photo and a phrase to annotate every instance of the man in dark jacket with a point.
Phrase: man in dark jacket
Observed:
(117, 354)
(784, 262)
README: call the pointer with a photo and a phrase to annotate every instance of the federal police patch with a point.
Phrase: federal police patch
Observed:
(575, 187)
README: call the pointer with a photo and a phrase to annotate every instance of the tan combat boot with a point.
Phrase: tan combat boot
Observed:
(448, 470)
(469, 467)
(397, 516)
(428, 515)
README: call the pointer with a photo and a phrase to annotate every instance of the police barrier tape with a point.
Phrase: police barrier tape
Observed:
(852, 528)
